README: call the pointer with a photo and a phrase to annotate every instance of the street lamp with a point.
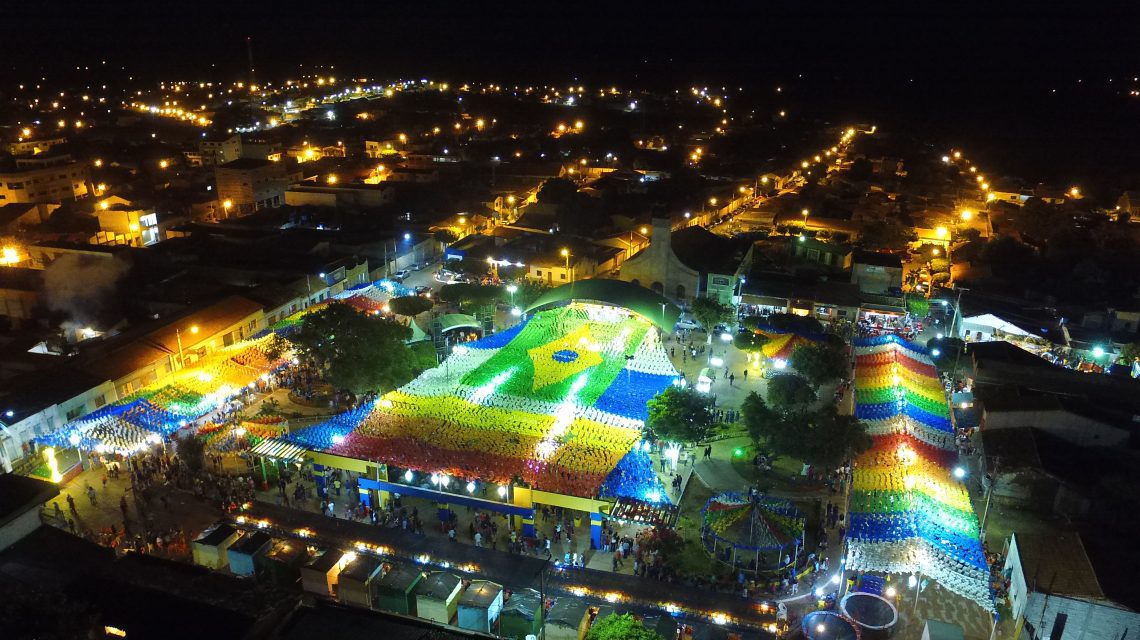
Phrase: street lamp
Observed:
(566, 254)
(178, 337)
(74, 439)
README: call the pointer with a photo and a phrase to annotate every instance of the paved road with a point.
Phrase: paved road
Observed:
(512, 570)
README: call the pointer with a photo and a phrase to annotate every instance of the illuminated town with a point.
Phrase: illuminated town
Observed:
(294, 347)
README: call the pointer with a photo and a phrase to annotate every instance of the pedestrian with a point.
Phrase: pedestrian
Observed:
(548, 554)
(336, 486)
(745, 373)
(478, 539)
(451, 534)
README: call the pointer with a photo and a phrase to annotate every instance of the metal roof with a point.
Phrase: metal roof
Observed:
(618, 293)
(279, 449)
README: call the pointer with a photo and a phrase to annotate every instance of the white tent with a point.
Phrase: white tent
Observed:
(987, 323)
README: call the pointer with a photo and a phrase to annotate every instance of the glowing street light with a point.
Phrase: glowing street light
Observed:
(959, 473)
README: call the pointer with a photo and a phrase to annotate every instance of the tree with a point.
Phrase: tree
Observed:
(861, 170)
(472, 294)
(1130, 351)
(764, 424)
(445, 236)
(753, 323)
(819, 362)
(192, 451)
(793, 323)
(749, 342)
(790, 392)
(833, 438)
(709, 312)
(620, 627)
(680, 415)
(885, 234)
(360, 352)
(409, 305)
(556, 191)
(276, 347)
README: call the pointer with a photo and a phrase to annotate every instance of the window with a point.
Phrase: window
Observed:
(563, 276)
(74, 413)
(100, 400)
(538, 273)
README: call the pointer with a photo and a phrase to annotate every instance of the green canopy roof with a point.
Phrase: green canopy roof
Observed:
(618, 293)
(449, 321)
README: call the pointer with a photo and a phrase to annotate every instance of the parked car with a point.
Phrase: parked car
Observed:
(686, 323)
(401, 274)
(423, 290)
(417, 266)
(443, 275)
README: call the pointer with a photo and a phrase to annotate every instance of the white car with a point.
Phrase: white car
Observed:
(685, 323)
(401, 274)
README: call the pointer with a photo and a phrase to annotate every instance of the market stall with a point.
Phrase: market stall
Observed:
(209, 550)
(283, 562)
(480, 605)
(245, 554)
(355, 581)
(521, 615)
(568, 619)
(395, 589)
(437, 597)
(321, 573)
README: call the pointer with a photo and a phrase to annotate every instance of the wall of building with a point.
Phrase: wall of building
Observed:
(19, 528)
(51, 418)
(876, 279)
(54, 183)
(1082, 618)
(658, 268)
(1070, 427)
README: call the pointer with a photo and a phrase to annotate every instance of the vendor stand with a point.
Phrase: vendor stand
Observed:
(283, 562)
(355, 581)
(521, 615)
(480, 606)
(320, 575)
(437, 597)
(209, 550)
(245, 554)
(395, 589)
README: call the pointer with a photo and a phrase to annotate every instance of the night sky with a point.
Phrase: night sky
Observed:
(979, 73)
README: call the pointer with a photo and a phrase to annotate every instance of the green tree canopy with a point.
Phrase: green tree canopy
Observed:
(1130, 351)
(445, 236)
(749, 342)
(709, 312)
(820, 362)
(753, 323)
(790, 392)
(681, 415)
(792, 322)
(277, 347)
(766, 425)
(620, 627)
(472, 294)
(885, 234)
(409, 305)
(831, 439)
(556, 191)
(360, 352)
